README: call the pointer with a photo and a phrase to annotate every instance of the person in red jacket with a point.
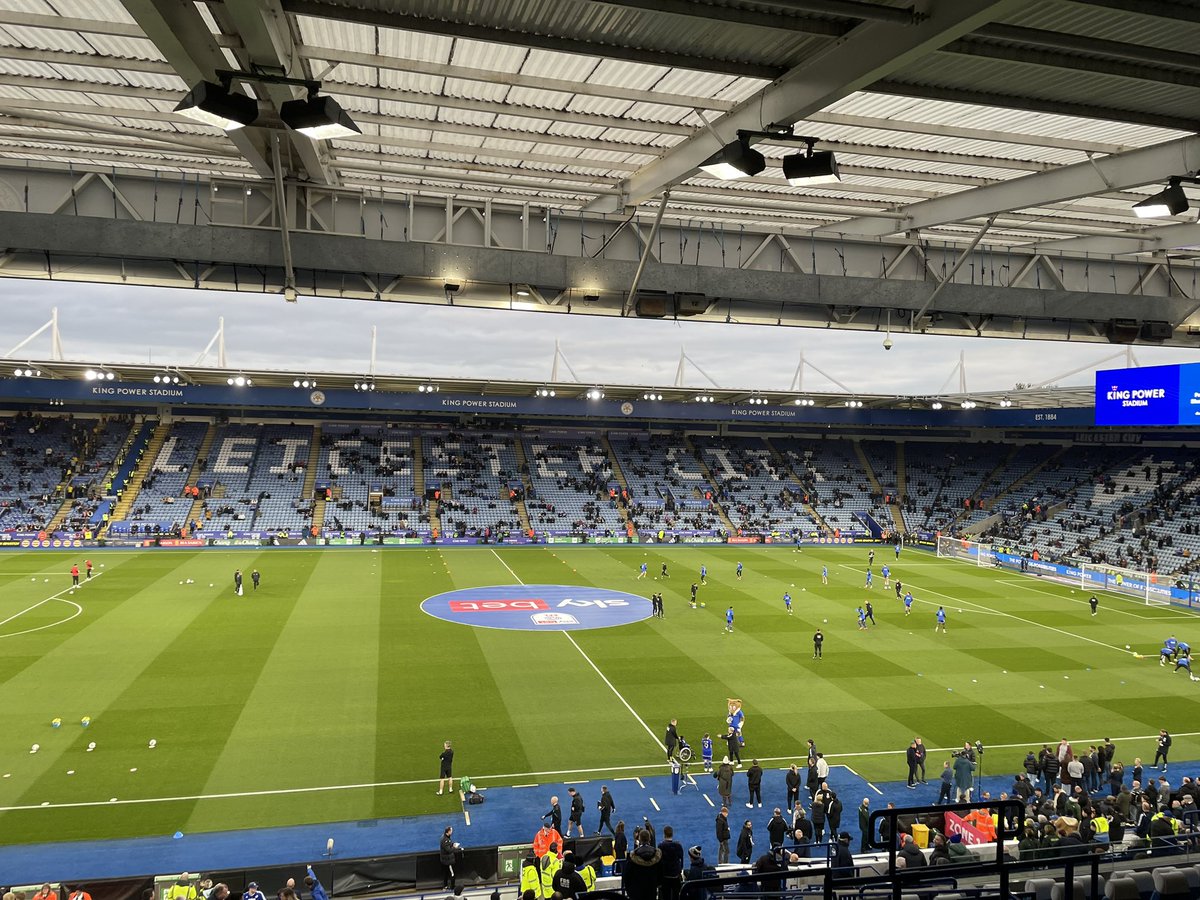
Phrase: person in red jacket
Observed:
(74, 575)
(87, 564)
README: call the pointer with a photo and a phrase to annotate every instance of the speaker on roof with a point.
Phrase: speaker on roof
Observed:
(1157, 331)
(688, 303)
(1122, 331)
(651, 304)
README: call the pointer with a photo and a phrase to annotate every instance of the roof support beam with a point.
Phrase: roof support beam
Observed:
(870, 52)
(1085, 179)
(1149, 240)
(183, 37)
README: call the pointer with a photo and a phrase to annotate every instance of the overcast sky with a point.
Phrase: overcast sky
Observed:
(111, 324)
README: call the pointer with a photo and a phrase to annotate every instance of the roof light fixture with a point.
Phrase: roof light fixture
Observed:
(735, 160)
(216, 104)
(1170, 201)
(811, 167)
(320, 118)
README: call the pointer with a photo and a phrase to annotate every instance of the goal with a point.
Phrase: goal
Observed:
(982, 555)
(1125, 582)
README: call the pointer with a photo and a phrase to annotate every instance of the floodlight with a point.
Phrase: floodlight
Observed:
(734, 160)
(215, 104)
(1170, 201)
(813, 167)
(320, 118)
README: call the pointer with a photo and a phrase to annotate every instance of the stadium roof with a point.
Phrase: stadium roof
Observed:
(936, 110)
(1032, 397)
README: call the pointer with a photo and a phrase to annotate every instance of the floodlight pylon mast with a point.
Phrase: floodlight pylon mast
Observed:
(219, 340)
(680, 371)
(1127, 354)
(559, 356)
(56, 350)
(798, 377)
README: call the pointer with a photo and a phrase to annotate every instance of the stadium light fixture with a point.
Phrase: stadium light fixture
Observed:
(545, 392)
(1170, 201)
(591, 298)
(811, 167)
(968, 404)
(304, 383)
(735, 160)
(166, 378)
(27, 372)
(364, 385)
(428, 388)
(854, 404)
(652, 396)
(216, 104)
(805, 401)
(316, 117)
(319, 118)
(936, 404)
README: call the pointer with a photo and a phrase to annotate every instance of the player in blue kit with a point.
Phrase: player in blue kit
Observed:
(706, 752)
(908, 602)
(739, 572)
(824, 574)
(1184, 662)
(642, 574)
(787, 601)
(941, 621)
(862, 619)
(703, 574)
(729, 619)
(1165, 654)
(869, 579)
(898, 545)
(886, 573)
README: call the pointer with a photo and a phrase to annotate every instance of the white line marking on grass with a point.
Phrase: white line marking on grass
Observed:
(875, 789)
(708, 799)
(978, 607)
(655, 805)
(1124, 612)
(432, 781)
(59, 598)
(596, 668)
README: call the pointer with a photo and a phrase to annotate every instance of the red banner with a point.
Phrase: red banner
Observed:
(970, 834)
(752, 539)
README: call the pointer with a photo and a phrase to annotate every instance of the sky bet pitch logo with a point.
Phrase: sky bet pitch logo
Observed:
(538, 607)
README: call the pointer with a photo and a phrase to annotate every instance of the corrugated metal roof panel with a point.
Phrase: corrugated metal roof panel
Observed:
(1110, 24)
(100, 10)
(476, 90)
(44, 39)
(539, 99)
(488, 56)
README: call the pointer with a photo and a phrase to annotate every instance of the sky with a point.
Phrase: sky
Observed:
(119, 324)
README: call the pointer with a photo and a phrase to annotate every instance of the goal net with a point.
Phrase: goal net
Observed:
(1125, 582)
(968, 551)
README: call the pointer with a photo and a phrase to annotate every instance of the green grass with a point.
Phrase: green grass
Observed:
(331, 675)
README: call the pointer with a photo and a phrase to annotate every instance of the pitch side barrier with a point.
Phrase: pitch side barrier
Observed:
(260, 539)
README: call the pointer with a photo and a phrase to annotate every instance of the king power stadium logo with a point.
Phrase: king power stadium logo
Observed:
(538, 607)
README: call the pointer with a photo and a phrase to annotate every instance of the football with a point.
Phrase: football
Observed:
(702, 605)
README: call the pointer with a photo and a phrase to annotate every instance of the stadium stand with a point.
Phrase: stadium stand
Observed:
(254, 476)
(475, 471)
(38, 454)
(160, 505)
(369, 471)
(757, 493)
(667, 485)
(570, 479)
(838, 487)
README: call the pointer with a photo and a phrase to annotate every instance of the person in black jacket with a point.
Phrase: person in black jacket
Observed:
(607, 807)
(643, 870)
(910, 756)
(554, 814)
(1163, 747)
(818, 818)
(745, 844)
(792, 780)
(754, 776)
(777, 829)
(447, 850)
(672, 865)
(911, 854)
(723, 836)
(843, 860)
(575, 819)
(671, 739)
(620, 848)
(567, 881)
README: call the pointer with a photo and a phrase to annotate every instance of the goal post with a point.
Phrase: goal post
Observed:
(974, 552)
(1125, 582)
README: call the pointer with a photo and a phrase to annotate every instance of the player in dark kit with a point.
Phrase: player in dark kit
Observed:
(818, 640)
(1093, 603)
(870, 612)
(899, 589)
(255, 577)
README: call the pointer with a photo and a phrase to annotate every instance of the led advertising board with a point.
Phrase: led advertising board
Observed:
(1149, 395)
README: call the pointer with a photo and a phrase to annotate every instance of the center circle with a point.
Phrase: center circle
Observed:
(538, 607)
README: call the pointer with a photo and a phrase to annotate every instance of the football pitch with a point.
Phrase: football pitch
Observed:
(326, 694)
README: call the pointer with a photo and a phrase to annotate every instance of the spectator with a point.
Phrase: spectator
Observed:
(643, 871)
